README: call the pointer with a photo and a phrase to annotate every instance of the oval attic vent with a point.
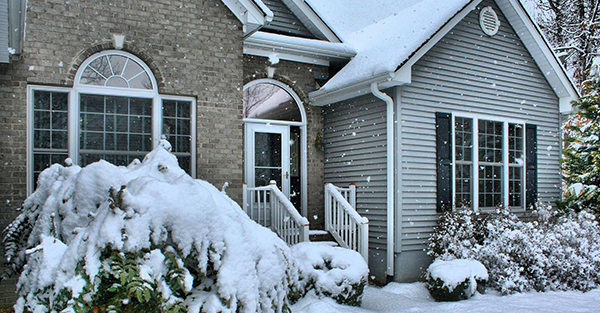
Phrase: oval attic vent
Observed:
(488, 20)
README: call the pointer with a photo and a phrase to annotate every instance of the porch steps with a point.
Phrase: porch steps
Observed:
(320, 235)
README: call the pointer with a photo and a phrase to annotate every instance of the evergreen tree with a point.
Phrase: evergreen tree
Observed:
(581, 164)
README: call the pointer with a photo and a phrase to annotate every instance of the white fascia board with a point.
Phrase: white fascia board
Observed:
(296, 49)
(310, 19)
(253, 14)
(536, 43)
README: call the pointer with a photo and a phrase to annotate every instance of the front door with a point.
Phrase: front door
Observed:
(268, 155)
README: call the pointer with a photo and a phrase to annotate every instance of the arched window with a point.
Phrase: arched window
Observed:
(270, 101)
(113, 112)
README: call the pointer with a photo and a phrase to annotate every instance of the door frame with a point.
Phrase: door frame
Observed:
(303, 138)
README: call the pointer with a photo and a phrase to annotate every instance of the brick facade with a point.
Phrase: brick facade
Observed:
(301, 78)
(194, 48)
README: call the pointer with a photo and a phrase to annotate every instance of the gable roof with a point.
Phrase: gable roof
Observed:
(389, 41)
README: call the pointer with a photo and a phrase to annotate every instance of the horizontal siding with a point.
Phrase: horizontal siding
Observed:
(4, 56)
(470, 72)
(284, 21)
(356, 153)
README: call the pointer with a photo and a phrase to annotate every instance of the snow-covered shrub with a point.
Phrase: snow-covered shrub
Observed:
(330, 271)
(456, 279)
(143, 238)
(547, 252)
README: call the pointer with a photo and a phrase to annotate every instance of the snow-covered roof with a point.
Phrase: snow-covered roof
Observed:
(389, 36)
(383, 38)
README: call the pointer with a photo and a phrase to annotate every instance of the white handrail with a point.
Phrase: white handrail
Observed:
(346, 226)
(268, 206)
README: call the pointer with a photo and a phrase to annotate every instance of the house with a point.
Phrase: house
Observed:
(422, 106)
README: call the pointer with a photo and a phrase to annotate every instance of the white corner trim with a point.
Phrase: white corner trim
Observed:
(565, 104)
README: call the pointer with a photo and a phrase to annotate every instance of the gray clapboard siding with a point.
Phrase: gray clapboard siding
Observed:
(356, 152)
(4, 55)
(468, 71)
(284, 21)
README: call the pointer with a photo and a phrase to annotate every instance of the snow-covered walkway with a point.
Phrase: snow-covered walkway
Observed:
(415, 298)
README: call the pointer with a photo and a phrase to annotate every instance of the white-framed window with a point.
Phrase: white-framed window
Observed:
(488, 162)
(113, 112)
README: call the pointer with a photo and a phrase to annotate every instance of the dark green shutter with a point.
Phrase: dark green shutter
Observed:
(531, 155)
(444, 160)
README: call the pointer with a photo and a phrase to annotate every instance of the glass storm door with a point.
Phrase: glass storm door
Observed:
(268, 155)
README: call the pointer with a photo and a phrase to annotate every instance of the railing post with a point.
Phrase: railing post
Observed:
(364, 247)
(352, 196)
(245, 198)
(327, 208)
(304, 232)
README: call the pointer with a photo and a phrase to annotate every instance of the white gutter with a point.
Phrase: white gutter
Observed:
(390, 175)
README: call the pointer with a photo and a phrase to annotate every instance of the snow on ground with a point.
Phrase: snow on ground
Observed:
(414, 297)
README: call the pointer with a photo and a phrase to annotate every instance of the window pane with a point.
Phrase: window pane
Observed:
(114, 128)
(490, 186)
(42, 161)
(464, 139)
(515, 185)
(177, 124)
(463, 185)
(515, 143)
(50, 120)
(490, 141)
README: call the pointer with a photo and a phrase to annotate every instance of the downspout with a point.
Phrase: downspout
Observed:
(390, 175)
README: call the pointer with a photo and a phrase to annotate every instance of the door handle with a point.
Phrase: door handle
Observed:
(287, 175)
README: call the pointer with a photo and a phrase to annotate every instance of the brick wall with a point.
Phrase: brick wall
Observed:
(301, 78)
(194, 48)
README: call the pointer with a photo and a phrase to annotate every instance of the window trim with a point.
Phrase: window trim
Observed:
(475, 157)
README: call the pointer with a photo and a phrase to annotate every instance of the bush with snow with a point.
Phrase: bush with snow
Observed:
(330, 271)
(549, 251)
(144, 238)
(456, 279)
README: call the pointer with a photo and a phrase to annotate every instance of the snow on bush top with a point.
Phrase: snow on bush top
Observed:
(454, 272)
(78, 212)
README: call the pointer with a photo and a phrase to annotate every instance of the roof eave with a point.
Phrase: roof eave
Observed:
(296, 49)
(384, 81)
(253, 14)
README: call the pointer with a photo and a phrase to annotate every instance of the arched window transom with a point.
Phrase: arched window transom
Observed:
(116, 70)
(265, 100)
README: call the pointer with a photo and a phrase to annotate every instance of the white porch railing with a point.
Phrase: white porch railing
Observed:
(268, 206)
(348, 228)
